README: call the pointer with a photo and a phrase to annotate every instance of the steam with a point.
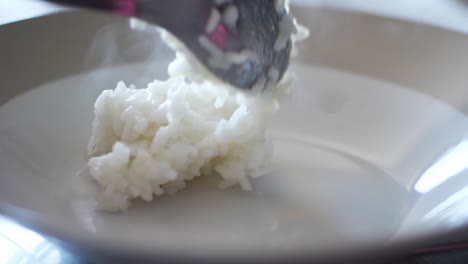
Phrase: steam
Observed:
(128, 42)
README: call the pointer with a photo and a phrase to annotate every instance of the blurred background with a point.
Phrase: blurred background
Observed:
(451, 14)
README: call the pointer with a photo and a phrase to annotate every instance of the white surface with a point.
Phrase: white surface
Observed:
(15, 10)
(330, 167)
(450, 14)
(20, 245)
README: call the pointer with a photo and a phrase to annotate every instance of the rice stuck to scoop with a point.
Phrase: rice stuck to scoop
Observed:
(151, 141)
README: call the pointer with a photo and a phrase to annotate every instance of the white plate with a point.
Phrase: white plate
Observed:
(359, 161)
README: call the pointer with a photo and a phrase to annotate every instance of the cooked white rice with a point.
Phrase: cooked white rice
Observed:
(147, 142)
(150, 141)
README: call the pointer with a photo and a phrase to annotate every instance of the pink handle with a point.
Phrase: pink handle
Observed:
(124, 7)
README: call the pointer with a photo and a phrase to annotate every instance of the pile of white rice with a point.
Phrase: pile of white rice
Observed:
(147, 142)
(151, 141)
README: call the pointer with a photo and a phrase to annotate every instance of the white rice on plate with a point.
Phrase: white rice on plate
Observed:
(147, 142)
(150, 141)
